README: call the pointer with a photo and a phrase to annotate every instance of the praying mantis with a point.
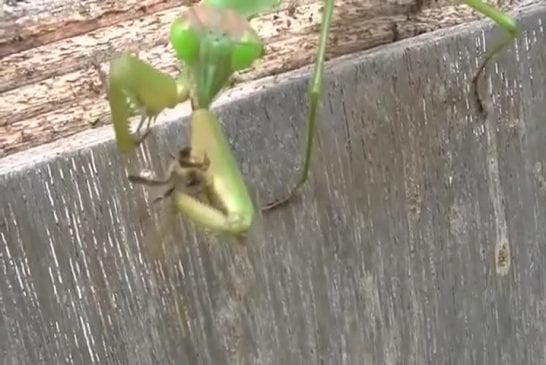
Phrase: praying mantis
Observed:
(214, 39)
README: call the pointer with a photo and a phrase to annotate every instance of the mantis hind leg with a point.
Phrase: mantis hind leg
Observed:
(504, 21)
(314, 96)
(507, 23)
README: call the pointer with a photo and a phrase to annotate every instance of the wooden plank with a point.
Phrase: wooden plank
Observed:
(389, 256)
(48, 85)
(37, 23)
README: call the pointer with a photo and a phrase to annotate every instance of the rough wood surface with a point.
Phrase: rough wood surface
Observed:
(391, 257)
(48, 89)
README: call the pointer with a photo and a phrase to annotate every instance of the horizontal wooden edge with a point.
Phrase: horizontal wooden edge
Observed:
(20, 162)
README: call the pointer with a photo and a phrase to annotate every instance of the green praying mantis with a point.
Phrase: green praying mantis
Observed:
(213, 40)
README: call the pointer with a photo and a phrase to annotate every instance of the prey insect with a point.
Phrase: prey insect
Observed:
(184, 175)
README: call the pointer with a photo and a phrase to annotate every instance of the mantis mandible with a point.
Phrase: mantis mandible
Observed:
(214, 39)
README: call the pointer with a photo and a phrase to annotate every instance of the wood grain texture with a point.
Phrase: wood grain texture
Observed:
(389, 257)
(49, 90)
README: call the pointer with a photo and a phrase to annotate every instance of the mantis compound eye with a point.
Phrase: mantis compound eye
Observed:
(185, 41)
(245, 53)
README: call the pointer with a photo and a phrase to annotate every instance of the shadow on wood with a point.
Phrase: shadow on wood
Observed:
(390, 255)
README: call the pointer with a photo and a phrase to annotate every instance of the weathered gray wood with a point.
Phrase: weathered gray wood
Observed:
(388, 258)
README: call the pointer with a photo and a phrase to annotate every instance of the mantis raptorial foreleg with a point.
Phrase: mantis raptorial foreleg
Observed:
(229, 208)
(134, 84)
(210, 168)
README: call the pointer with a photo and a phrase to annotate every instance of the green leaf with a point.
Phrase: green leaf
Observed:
(247, 8)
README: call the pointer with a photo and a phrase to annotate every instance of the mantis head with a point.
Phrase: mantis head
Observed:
(214, 43)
